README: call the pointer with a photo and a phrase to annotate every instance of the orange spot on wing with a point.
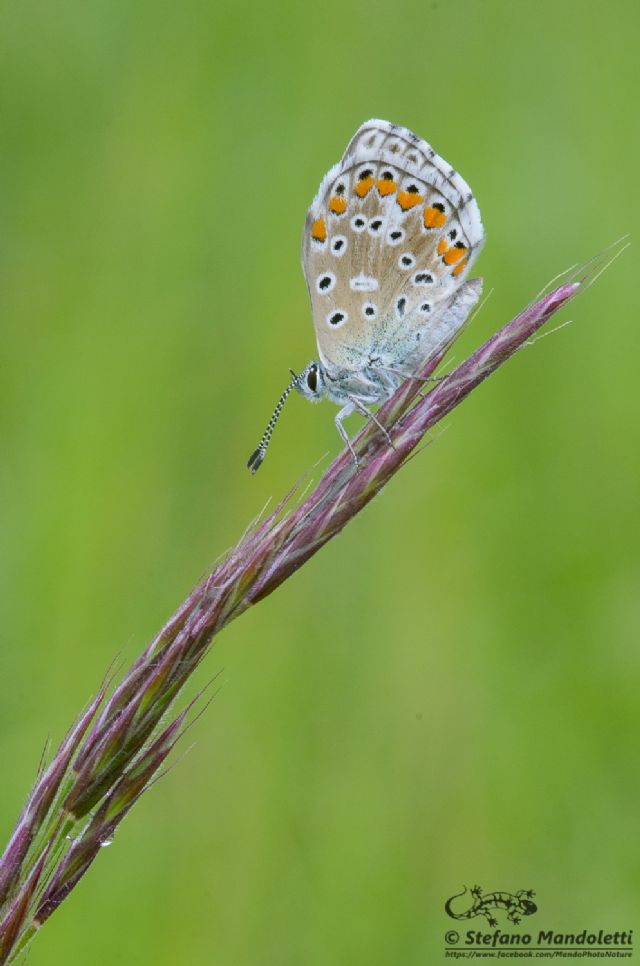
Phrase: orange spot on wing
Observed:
(454, 255)
(459, 267)
(364, 187)
(407, 199)
(386, 187)
(433, 218)
(319, 230)
(338, 205)
(442, 246)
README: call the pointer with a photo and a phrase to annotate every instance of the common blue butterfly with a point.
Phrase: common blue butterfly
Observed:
(387, 246)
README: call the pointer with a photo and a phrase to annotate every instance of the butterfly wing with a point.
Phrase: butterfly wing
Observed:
(387, 243)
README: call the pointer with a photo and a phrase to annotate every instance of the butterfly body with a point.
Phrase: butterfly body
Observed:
(387, 244)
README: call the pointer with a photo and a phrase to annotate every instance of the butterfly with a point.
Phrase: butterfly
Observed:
(387, 246)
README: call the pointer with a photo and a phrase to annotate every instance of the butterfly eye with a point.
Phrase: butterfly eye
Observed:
(312, 379)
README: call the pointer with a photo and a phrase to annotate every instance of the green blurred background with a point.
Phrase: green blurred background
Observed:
(447, 694)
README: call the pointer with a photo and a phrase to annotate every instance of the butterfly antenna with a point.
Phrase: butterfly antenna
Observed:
(256, 458)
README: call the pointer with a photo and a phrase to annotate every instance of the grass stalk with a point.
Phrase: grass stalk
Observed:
(120, 743)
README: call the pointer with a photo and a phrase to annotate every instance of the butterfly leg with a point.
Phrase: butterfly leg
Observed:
(344, 412)
(372, 416)
(412, 375)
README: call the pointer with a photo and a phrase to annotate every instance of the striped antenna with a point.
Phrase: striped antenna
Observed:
(256, 458)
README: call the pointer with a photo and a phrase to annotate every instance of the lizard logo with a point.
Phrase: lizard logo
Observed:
(515, 905)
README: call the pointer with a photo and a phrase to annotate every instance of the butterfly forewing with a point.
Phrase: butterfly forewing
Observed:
(387, 242)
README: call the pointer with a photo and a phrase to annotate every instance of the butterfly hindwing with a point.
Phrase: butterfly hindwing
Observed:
(388, 240)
